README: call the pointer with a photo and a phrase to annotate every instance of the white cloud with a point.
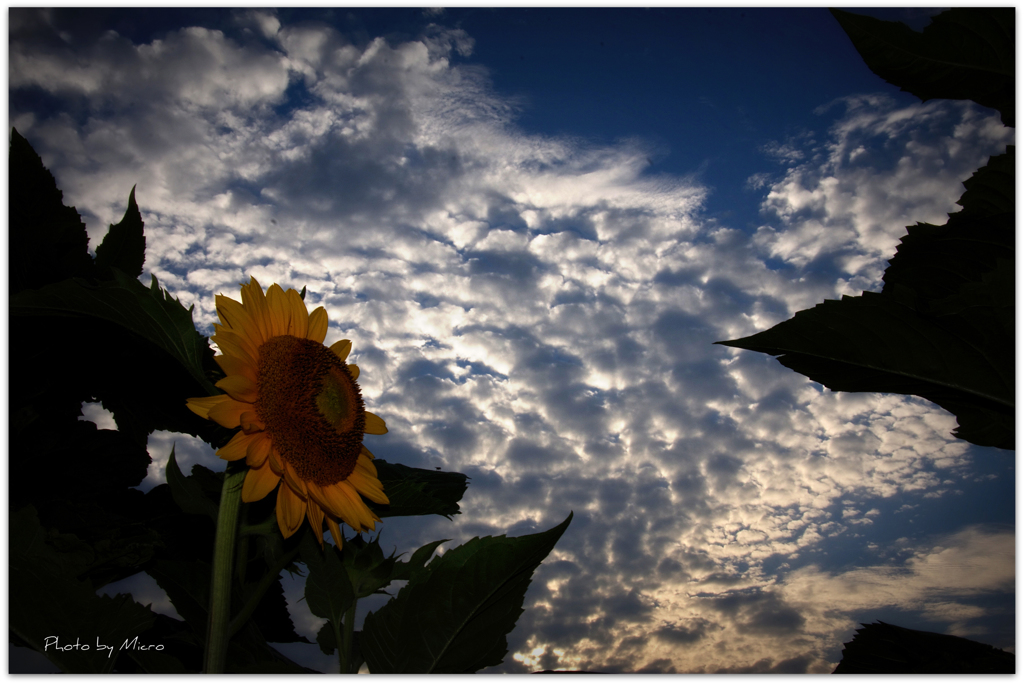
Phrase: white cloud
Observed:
(263, 21)
(539, 313)
(884, 168)
(939, 580)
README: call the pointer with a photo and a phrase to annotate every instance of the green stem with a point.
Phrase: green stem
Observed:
(223, 557)
(345, 638)
(241, 548)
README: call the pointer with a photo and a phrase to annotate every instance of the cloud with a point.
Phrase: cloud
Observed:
(538, 312)
(846, 203)
(263, 21)
(948, 582)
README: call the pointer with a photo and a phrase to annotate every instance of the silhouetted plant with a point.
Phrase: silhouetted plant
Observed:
(942, 327)
(85, 329)
(880, 648)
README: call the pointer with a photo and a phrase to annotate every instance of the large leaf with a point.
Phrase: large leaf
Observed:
(964, 264)
(873, 343)
(112, 558)
(150, 313)
(127, 338)
(405, 571)
(124, 246)
(48, 241)
(271, 616)
(329, 591)
(328, 588)
(368, 572)
(188, 493)
(880, 648)
(79, 478)
(964, 54)
(187, 584)
(990, 189)
(188, 587)
(943, 327)
(935, 263)
(454, 617)
(51, 608)
(416, 491)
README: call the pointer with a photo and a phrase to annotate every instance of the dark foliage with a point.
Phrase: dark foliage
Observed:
(943, 327)
(880, 648)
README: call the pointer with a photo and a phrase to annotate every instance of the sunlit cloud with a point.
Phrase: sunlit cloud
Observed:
(539, 313)
(884, 167)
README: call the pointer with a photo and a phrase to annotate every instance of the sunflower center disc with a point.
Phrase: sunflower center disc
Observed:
(312, 408)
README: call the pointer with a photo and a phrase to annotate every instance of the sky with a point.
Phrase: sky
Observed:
(533, 224)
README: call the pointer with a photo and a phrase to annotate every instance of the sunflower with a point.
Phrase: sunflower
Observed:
(300, 410)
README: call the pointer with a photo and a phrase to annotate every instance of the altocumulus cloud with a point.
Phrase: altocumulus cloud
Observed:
(538, 313)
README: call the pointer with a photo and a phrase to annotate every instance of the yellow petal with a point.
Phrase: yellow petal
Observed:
(235, 316)
(232, 345)
(317, 325)
(338, 505)
(276, 462)
(235, 365)
(250, 345)
(299, 318)
(374, 424)
(201, 406)
(354, 507)
(277, 301)
(228, 413)
(250, 421)
(368, 486)
(316, 493)
(259, 449)
(290, 511)
(315, 514)
(256, 304)
(341, 348)
(332, 525)
(242, 388)
(294, 481)
(237, 448)
(353, 370)
(365, 464)
(367, 516)
(258, 483)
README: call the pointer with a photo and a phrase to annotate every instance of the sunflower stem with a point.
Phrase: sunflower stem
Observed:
(344, 639)
(241, 548)
(223, 557)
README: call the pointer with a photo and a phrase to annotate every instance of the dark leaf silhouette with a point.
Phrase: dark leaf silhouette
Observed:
(874, 343)
(416, 491)
(48, 241)
(136, 351)
(50, 601)
(151, 313)
(329, 591)
(124, 246)
(880, 648)
(453, 616)
(943, 326)
(187, 492)
(966, 53)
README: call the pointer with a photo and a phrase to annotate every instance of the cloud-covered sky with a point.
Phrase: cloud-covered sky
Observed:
(532, 248)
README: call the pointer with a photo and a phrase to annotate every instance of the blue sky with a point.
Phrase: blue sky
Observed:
(533, 224)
